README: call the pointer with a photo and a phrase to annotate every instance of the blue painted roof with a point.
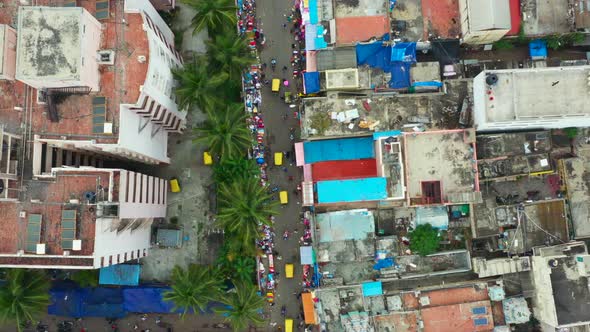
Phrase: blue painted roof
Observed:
(339, 149)
(120, 274)
(372, 288)
(352, 190)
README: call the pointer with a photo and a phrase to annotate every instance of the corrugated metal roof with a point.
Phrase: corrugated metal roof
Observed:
(339, 58)
(489, 14)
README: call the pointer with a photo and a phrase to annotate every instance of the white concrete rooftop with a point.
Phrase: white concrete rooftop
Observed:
(553, 97)
(49, 42)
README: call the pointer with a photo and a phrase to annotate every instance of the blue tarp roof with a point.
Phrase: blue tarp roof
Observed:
(338, 149)
(311, 82)
(120, 274)
(87, 302)
(353, 190)
(373, 288)
(389, 133)
(314, 37)
(384, 263)
(379, 56)
(538, 49)
(403, 52)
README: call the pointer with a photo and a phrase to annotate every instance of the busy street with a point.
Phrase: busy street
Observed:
(272, 90)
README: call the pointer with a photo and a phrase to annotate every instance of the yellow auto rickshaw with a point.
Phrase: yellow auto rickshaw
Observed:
(289, 271)
(276, 84)
(288, 325)
(174, 186)
(278, 158)
(284, 197)
(207, 159)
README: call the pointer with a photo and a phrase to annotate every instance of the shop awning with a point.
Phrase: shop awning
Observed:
(307, 255)
(308, 308)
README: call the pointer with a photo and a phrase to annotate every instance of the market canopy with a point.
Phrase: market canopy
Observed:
(307, 255)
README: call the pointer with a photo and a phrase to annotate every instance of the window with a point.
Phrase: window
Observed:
(478, 310)
(480, 321)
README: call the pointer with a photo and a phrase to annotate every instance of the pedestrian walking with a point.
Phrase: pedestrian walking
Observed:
(285, 26)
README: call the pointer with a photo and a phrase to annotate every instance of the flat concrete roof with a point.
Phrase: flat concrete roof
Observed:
(337, 58)
(49, 42)
(387, 112)
(542, 17)
(357, 8)
(487, 15)
(553, 97)
(445, 156)
(577, 181)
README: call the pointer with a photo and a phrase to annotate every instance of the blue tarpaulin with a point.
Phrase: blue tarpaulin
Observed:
(120, 274)
(147, 299)
(400, 75)
(389, 133)
(538, 49)
(311, 82)
(404, 52)
(314, 37)
(87, 302)
(383, 263)
(313, 11)
(372, 288)
(379, 56)
(437, 84)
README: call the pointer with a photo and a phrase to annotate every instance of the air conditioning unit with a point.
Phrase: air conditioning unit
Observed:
(105, 57)
(22, 214)
(108, 128)
(141, 59)
(40, 249)
(41, 97)
(66, 253)
(77, 245)
(20, 252)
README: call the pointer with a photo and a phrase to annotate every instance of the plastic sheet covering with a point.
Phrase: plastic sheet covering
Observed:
(538, 49)
(404, 52)
(400, 75)
(147, 299)
(311, 82)
(379, 56)
(87, 302)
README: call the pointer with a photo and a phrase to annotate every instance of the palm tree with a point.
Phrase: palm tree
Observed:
(25, 295)
(230, 53)
(225, 132)
(243, 306)
(244, 206)
(197, 86)
(193, 288)
(235, 169)
(212, 14)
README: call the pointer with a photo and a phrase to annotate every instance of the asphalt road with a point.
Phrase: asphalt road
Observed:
(278, 46)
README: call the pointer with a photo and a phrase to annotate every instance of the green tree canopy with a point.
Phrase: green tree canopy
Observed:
(424, 240)
(244, 206)
(235, 169)
(242, 306)
(24, 297)
(212, 14)
(225, 132)
(86, 278)
(229, 53)
(193, 288)
(197, 86)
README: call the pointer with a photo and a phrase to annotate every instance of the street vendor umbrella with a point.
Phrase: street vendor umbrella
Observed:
(286, 83)
(260, 161)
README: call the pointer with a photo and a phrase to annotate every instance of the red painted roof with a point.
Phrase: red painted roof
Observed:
(514, 18)
(441, 18)
(350, 30)
(344, 169)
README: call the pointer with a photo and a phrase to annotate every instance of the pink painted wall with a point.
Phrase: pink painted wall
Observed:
(9, 63)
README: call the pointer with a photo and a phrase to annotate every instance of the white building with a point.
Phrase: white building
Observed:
(85, 218)
(484, 21)
(124, 83)
(539, 98)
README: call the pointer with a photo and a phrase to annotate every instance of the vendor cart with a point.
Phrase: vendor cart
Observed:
(289, 271)
(174, 185)
(207, 159)
(288, 98)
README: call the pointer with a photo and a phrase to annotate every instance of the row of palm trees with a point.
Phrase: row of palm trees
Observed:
(212, 83)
